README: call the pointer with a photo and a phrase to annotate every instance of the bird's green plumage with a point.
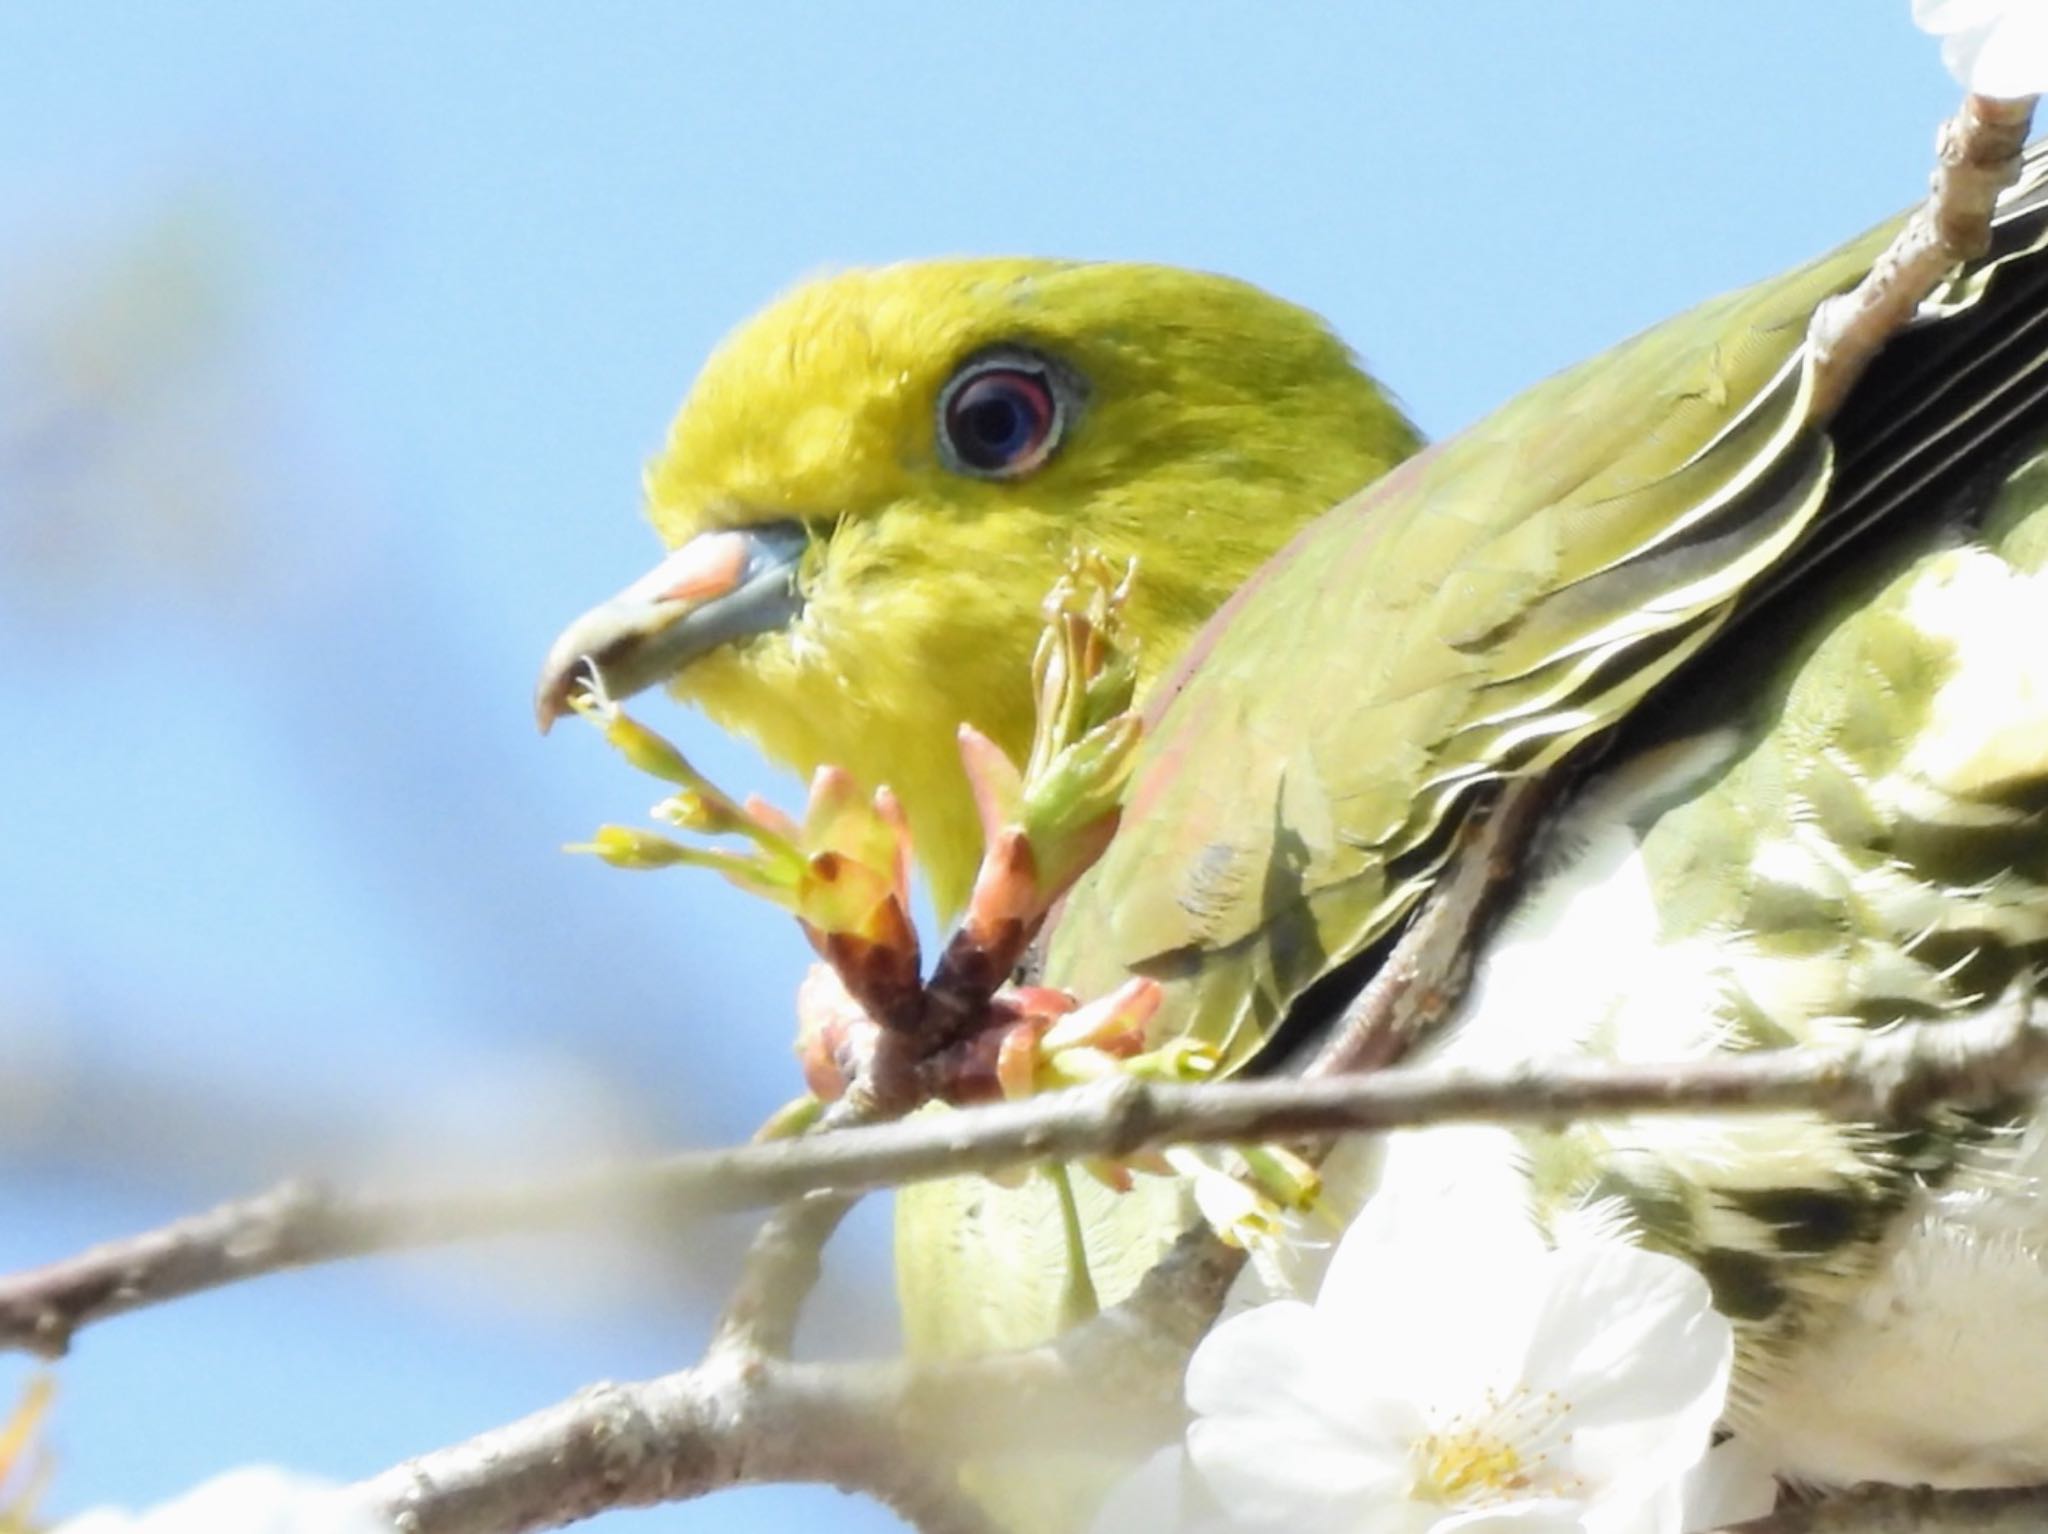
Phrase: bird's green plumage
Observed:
(1866, 839)
(1480, 612)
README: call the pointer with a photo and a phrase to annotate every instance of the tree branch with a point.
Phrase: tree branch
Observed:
(728, 1422)
(1974, 1062)
(1911, 1510)
(1425, 975)
(892, 1430)
(782, 1267)
(1978, 157)
(786, 1257)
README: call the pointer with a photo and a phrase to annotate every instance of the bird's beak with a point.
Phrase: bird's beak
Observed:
(718, 587)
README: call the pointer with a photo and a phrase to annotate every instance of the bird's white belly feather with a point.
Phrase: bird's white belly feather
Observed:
(1935, 1369)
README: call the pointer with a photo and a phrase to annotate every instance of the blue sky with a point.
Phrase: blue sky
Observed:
(332, 339)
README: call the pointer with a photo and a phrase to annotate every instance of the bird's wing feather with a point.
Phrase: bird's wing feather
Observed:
(1475, 615)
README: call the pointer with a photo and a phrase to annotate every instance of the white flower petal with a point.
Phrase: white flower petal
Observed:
(1630, 1339)
(1277, 1365)
(2015, 61)
(1454, 1371)
(1303, 1475)
(1535, 1515)
(1157, 1497)
(1271, 1358)
(1658, 1512)
(1942, 17)
(1733, 1484)
(1448, 1234)
(1992, 47)
(1290, 1431)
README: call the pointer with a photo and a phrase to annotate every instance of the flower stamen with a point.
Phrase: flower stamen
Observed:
(1498, 1452)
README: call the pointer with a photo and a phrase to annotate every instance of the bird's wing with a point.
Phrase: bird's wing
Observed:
(1501, 599)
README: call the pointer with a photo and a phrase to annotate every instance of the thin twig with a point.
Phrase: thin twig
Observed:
(786, 1258)
(782, 1267)
(1978, 157)
(1910, 1510)
(1972, 1062)
(1426, 973)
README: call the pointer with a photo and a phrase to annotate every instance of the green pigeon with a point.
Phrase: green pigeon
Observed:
(1784, 669)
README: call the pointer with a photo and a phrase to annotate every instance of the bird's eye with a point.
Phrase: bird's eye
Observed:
(1002, 415)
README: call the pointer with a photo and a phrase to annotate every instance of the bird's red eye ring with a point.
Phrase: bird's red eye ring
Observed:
(1001, 416)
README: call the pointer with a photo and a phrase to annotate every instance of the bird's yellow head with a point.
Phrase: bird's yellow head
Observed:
(874, 483)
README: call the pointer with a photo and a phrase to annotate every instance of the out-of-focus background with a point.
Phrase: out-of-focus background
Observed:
(332, 338)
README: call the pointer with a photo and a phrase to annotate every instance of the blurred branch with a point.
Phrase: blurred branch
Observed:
(1966, 1063)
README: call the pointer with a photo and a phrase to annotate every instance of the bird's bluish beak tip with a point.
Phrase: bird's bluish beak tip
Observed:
(720, 586)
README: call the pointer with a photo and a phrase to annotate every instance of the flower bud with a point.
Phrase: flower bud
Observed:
(630, 847)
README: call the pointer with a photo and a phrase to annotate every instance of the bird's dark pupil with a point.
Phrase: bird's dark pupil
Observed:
(997, 423)
(1001, 421)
